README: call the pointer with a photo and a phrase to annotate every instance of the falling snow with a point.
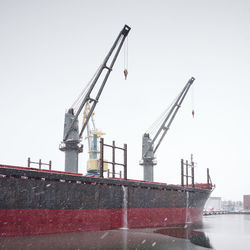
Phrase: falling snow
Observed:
(104, 235)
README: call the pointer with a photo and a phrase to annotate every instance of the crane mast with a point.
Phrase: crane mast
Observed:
(71, 143)
(148, 150)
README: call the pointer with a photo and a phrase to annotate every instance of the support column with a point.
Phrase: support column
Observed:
(72, 146)
(148, 160)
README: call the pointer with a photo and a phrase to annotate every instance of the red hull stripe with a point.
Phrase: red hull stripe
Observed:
(160, 217)
(20, 222)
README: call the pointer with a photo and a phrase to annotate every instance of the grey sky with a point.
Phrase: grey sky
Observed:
(50, 49)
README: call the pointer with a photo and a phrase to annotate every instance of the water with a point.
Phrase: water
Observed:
(228, 231)
(125, 218)
(220, 232)
(187, 206)
(125, 207)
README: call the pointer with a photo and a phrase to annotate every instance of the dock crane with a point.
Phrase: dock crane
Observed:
(71, 143)
(148, 150)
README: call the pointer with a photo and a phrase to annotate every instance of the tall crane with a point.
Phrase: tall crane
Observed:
(71, 143)
(148, 150)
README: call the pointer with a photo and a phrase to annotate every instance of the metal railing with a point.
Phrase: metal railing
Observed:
(187, 165)
(39, 163)
(186, 176)
(113, 162)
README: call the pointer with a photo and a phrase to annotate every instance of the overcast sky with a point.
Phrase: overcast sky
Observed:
(50, 49)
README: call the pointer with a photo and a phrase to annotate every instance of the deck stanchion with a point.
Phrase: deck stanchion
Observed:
(125, 161)
(186, 173)
(113, 159)
(192, 169)
(182, 173)
(101, 157)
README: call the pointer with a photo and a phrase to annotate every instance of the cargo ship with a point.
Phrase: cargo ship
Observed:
(41, 201)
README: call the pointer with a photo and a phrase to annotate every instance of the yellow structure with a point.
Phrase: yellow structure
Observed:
(93, 135)
(94, 164)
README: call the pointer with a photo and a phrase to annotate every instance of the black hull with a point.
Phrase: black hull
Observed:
(36, 191)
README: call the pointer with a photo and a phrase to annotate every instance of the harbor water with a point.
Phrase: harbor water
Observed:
(220, 232)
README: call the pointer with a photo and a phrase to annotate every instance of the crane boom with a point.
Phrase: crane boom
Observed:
(118, 42)
(71, 139)
(148, 149)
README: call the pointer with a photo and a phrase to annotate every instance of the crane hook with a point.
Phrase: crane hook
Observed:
(125, 73)
(193, 113)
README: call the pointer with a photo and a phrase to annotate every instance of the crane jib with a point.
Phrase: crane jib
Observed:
(125, 30)
(170, 117)
(117, 44)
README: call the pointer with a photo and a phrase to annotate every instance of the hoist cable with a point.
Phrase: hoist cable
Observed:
(160, 119)
(125, 71)
(192, 101)
(126, 53)
(78, 101)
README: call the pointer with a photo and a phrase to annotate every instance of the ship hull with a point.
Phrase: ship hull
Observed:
(35, 202)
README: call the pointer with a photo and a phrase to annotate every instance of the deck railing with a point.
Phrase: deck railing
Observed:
(113, 162)
(39, 163)
(186, 176)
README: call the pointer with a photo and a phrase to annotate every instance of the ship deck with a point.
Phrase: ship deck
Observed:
(24, 172)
